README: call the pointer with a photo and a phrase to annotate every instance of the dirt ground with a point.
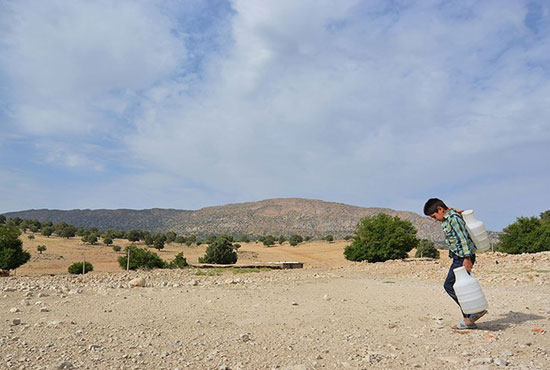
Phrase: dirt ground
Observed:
(333, 314)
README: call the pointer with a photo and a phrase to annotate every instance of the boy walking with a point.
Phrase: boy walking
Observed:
(461, 249)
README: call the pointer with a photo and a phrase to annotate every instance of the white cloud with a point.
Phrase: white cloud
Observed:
(371, 103)
(70, 62)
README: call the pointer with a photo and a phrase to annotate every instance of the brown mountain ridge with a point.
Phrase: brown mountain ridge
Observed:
(280, 216)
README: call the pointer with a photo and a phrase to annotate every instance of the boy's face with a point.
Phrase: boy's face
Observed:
(439, 215)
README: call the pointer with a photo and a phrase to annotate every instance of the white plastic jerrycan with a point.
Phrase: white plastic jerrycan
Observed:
(477, 231)
(468, 291)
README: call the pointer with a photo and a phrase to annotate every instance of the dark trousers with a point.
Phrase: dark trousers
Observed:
(449, 282)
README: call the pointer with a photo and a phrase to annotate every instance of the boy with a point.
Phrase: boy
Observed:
(461, 249)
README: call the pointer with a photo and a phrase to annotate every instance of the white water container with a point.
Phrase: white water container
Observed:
(468, 291)
(477, 231)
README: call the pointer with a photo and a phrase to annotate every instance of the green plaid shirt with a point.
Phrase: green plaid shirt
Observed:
(456, 235)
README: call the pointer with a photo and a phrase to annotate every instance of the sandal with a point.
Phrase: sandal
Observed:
(476, 316)
(463, 326)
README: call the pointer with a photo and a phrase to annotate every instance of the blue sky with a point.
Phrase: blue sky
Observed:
(187, 104)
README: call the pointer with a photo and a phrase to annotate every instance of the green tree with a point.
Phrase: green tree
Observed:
(46, 231)
(171, 236)
(76, 268)
(380, 238)
(140, 258)
(180, 239)
(348, 237)
(2, 219)
(282, 239)
(526, 235)
(221, 251)
(159, 243)
(329, 238)
(12, 254)
(107, 240)
(116, 248)
(41, 248)
(545, 215)
(426, 248)
(91, 238)
(149, 240)
(134, 235)
(295, 239)
(67, 232)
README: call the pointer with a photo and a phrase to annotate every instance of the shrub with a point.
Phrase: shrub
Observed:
(307, 238)
(12, 254)
(526, 235)
(329, 238)
(180, 239)
(268, 240)
(295, 240)
(380, 238)
(282, 239)
(178, 262)
(116, 248)
(76, 268)
(140, 258)
(41, 248)
(347, 237)
(31, 236)
(426, 248)
(221, 251)
(107, 240)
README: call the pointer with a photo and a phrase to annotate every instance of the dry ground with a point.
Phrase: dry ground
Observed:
(333, 314)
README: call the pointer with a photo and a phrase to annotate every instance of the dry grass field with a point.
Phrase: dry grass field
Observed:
(61, 253)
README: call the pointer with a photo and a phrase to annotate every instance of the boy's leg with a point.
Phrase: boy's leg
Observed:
(450, 280)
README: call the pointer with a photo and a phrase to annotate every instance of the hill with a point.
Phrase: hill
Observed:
(282, 216)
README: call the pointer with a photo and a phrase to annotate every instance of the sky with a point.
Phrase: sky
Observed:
(186, 104)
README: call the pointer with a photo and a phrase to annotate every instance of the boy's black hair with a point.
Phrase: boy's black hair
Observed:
(431, 206)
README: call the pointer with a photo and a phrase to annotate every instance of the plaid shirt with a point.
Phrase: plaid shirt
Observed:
(456, 235)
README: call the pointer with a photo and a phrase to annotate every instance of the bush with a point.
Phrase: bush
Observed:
(526, 235)
(41, 248)
(116, 248)
(221, 251)
(295, 239)
(12, 254)
(31, 236)
(329, 238)
(380, 238)
(268, 240)
(107, 240)
(76, 268)
(178, 262)
(180, 239)
(140, 258)
(426, 248)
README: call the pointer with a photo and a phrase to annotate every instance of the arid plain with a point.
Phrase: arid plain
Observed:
(333, 314)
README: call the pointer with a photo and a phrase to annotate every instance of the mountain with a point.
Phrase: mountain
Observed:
(282, 216)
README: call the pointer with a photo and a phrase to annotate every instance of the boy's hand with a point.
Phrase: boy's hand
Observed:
(467, 264)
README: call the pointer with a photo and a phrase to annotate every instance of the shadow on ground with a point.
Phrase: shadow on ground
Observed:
(507, 320)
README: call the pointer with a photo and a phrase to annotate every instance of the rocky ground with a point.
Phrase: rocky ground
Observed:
(385, 315)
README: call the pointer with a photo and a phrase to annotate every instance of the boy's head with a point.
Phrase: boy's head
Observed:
(435, 208)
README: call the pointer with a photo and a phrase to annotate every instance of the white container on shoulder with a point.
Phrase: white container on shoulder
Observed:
(477, 231)
(468, 291)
